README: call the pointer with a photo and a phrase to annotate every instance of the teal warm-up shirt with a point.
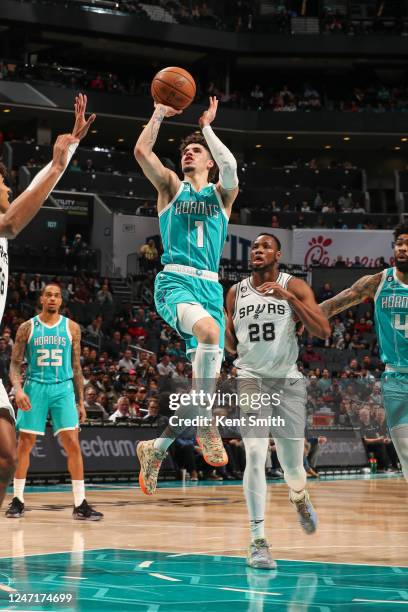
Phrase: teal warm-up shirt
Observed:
(193, 228)
(49, 352)
(391, 319)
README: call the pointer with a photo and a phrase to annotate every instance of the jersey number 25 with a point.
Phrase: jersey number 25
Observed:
(47, 357)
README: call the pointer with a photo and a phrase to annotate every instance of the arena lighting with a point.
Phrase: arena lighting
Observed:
(404, 139)
(121, 140)
(94, 131)
(197, 132)
(258, 146)
(171, 139)
(289, 137)
(397, 148)
(7, 110)
(346, 138)
(327, 146)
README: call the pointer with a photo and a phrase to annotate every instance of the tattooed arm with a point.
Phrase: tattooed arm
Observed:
(166, 181)
(77, 369)
(231, 341)
(364, 287)
(17, 358)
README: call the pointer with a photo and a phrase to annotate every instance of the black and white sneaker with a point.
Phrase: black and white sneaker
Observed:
(15, 509)
(85, 512)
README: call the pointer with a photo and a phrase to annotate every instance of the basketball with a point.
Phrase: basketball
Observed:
(174, 87)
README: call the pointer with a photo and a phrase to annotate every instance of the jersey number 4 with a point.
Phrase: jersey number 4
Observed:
(264, 332)
(46, 357)
(401, 326)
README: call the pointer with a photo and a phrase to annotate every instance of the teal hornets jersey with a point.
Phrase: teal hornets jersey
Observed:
(193, 228)
(49, 352)
(391, 319)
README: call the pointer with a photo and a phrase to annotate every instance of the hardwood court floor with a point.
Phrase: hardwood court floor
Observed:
(184, 548)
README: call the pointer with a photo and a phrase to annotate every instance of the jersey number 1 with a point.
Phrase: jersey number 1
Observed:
(200, 233)
(46, 357)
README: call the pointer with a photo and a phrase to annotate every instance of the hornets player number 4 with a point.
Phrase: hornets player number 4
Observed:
(193, 216)
(389, 290)
(51, 345)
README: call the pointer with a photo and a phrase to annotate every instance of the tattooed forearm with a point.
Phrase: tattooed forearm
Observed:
(364, 288)
(76, 362)
(155, 122)
(17, 355)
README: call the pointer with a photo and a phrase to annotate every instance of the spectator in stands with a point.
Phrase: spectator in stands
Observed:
(275, 222)
(95, 329)
(103, 400)
(134, 404)
(179, 376)
(104, 296)
(75, 166)
(149, 256)
(5, 355)
(153, 415)
(257, 97)
(164, 367)
(36, 286)
(384, 432)
(122, 409)
(114, 346)
(356, 263)
(145, 209)
(340, 263)
(97, 83)
(127, 362)
(310, 355)
(326, 293)
(373, 441)
(94, 410)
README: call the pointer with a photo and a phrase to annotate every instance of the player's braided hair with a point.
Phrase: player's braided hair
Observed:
(199, 139)
(400, 229)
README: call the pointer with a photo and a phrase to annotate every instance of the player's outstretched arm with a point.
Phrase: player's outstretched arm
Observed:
(231, 341)
(77, 369)
(17, 357)
(364, 287)
(160, 176)
(226, 162)
(24, 208)
(302, 300)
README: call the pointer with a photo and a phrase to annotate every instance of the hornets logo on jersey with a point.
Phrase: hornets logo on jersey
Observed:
(193, 228)
(49, 352)
(391, 319)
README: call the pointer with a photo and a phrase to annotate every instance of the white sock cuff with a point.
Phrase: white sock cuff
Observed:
(208, 347)
(18, 487)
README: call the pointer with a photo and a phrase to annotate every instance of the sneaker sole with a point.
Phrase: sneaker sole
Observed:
(212, 463)
(262, 567)
(142, 485)
(87, 518)
(14, 516)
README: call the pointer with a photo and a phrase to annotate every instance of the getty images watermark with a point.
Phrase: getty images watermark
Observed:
(249, 403)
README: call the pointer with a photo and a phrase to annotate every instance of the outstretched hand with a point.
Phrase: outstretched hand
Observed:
(81, 125)
(208, 115)
(168, 111)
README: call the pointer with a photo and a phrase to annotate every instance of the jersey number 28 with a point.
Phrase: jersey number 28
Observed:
(47, 357)
(264, 332)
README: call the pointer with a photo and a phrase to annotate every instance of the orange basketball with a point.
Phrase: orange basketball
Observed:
(174, 87)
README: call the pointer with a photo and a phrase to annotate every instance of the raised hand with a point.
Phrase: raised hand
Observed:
(81, 125)
(208, 115)
(60, 152)
(166, 111)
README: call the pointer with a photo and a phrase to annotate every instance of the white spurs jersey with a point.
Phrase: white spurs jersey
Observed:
(4, 272)
(266, 333)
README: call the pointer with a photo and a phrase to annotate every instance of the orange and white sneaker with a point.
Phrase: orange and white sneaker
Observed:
(209, 440)
(150, 461)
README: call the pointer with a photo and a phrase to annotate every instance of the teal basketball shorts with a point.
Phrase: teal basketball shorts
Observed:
(172, 288)
(394, 386)
(58, 399)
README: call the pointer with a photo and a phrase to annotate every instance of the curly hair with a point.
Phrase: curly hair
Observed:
(400, 229)
(199, 139)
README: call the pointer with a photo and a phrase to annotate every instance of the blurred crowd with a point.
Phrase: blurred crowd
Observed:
(132, 361)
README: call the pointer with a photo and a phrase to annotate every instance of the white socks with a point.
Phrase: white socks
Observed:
(290, 454)
(78, 489)
(19, 484)
(255, 484)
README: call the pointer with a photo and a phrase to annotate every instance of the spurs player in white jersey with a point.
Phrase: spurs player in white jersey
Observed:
(262, 311)
(14, 216)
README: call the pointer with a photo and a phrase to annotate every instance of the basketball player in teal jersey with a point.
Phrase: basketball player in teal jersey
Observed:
(51, 344)
(389, 290)
(14, 216)
(193, 216)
